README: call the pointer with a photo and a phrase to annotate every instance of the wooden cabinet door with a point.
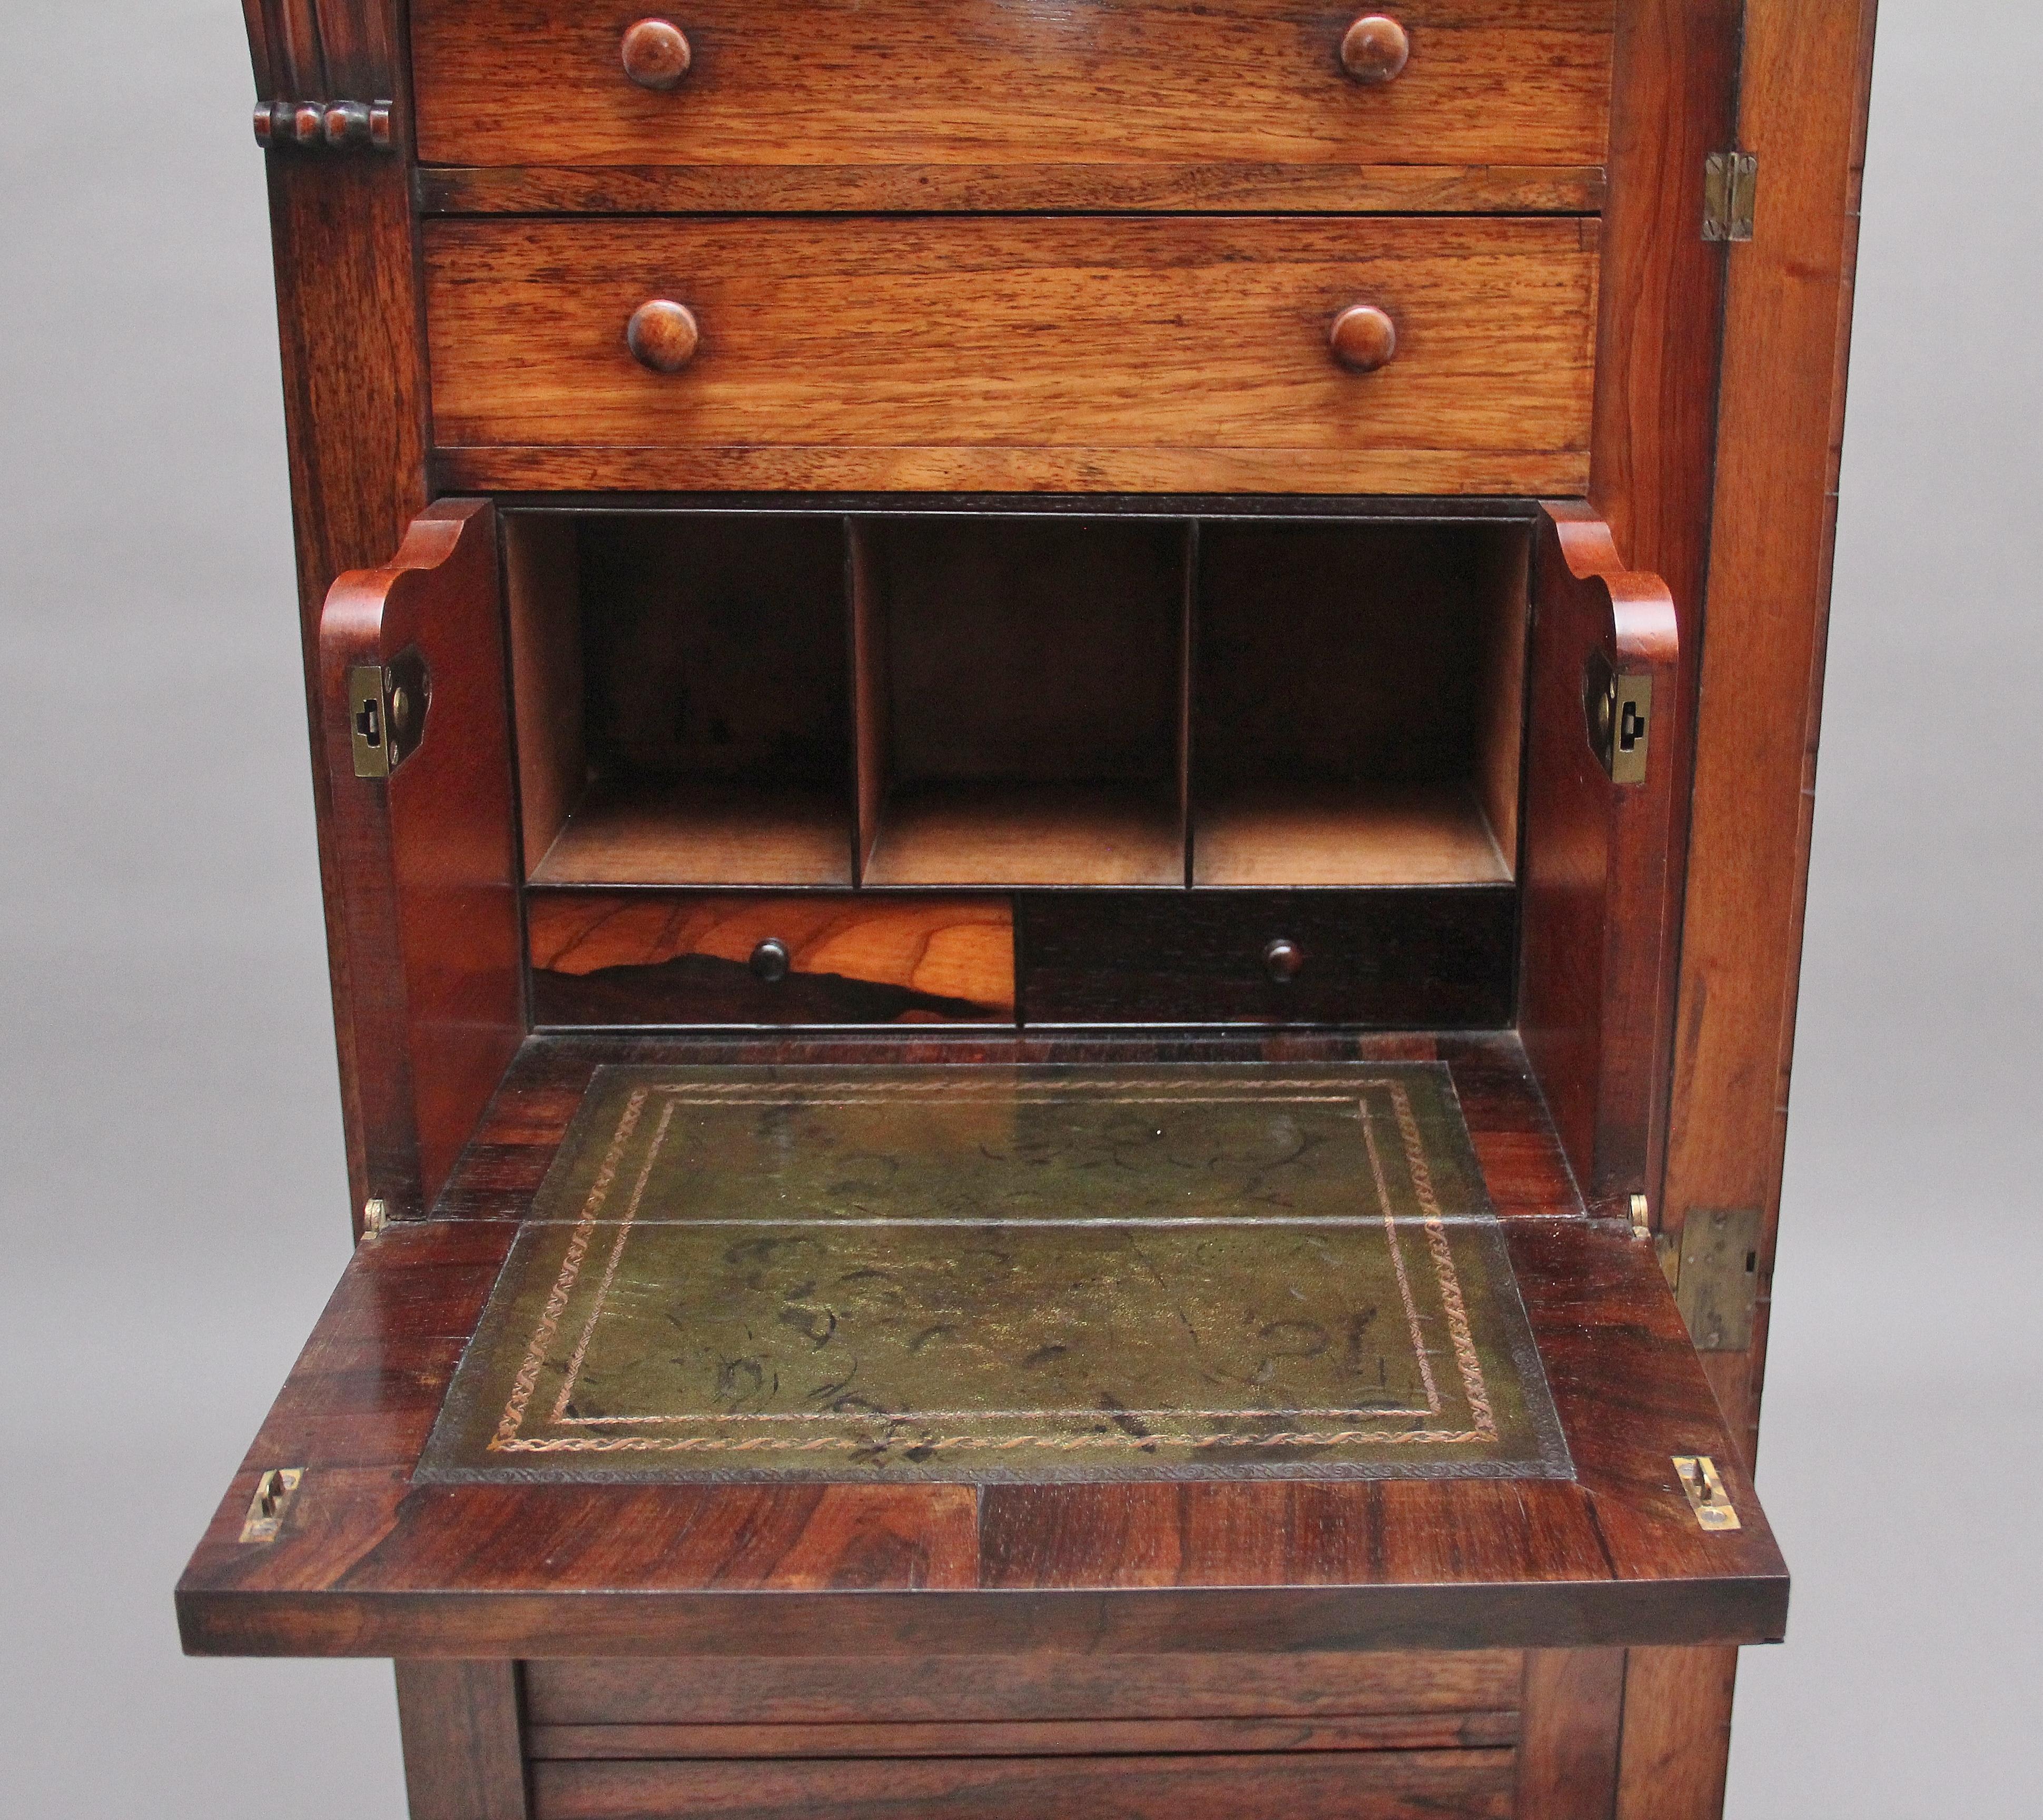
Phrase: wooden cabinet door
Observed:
(411, 666)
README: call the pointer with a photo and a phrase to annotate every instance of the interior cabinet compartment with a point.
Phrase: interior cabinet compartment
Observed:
(1359, 706)
(1020, 700)
(682, 702)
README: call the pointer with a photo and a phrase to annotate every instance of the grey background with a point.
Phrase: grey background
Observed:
(170, 1169)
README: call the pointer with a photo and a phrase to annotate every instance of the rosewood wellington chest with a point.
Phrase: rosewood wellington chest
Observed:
(1062, 753)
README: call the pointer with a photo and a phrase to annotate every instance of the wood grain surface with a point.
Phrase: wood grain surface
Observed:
(660, 957)
(464, 1740)
(426, 858)
(749, 1694)
(1595, 876)
(944, 83)
(354, 419)
(1011, 355)
(1573, 1704)
(1345, 834)
(1369, 1785)
(1405, 956)
(980, 188)
(1658, 341)
(1001, 1738)
(692, 831)
(369, 1564)
(1788, 317)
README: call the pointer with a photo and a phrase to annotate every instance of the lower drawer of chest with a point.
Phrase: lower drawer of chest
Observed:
(991, 354)
(1332, 1785)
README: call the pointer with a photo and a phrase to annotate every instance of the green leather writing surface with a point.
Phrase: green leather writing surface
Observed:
(982, 1274)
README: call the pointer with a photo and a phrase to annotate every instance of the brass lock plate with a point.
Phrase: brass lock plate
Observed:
(1706, 1496)
(386, 711)
(1619, 712)
(1717, 1285)
(273, 1493)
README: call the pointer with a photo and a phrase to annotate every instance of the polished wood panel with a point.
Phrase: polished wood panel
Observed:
(1406, 957)
(318, 49)
(694, 831)
(1573, 1706)
(368, 1563)
(1788, 318)
(975, 189)
(748, 1693)
(1027, 834)
(427, 856)
(354, 418)
(1345, 834)
(939, 82)
(1595, 876)
(1657, 344)
(463, 1740)
(1015, 354)
(1361, 1785)
(661, 957)
(542, 584)
(1677, 1741)
(1066, 1738)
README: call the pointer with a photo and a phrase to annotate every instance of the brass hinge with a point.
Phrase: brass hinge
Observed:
(1619, 709)
(386, 712)
(375, 1216)
(273, 1493)
(1706, 1496)
(323, 126)
(1730, 186)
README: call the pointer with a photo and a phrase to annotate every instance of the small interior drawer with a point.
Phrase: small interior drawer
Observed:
(1010, 354)
(1414, 957)
(1047, 104)
(1333, 1785)
(795, 958)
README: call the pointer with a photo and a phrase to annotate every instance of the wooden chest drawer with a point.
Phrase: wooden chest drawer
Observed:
(1172, 354)
(1415, 957)
(650, 957)
(1348, 1785)
(975, 103)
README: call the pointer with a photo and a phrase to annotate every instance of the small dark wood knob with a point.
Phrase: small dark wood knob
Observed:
(656, 54)
(1362, 337)
(663, 336)
(770, 961)
(1375, 49)
(1282, 960)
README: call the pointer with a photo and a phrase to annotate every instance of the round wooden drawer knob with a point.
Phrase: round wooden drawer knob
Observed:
(663, 336)
(1375, 49)
(771, 961)
(1362, 337)
(656, 54)
(1282, 960)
